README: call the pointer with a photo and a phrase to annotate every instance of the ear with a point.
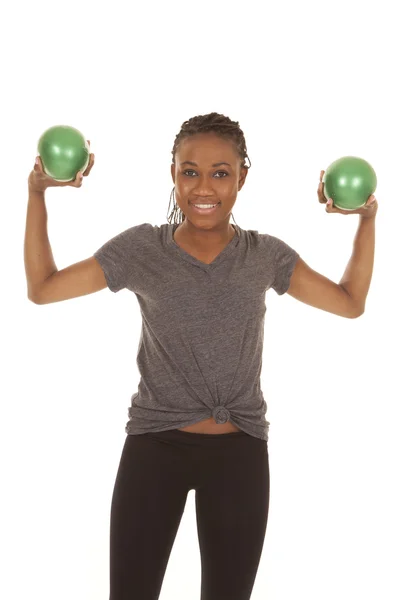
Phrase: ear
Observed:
(243, 175)
(173, 172)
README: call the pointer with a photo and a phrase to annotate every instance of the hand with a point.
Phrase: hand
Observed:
(368, 210)
(39, 181)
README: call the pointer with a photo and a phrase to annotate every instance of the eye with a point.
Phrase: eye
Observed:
(191, 171)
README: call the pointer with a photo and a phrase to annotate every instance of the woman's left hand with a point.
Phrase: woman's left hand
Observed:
(368, 210)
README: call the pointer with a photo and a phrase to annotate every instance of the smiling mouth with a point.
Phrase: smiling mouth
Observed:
(204, 211)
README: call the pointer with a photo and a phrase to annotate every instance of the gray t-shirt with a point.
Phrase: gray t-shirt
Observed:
(200, 349)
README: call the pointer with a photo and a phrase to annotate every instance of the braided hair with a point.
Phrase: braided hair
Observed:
(215, 123)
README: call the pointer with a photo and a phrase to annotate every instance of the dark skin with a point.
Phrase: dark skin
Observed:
(203, 182)
(205, 236)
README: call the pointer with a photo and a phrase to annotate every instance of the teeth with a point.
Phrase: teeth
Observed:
(205, 205)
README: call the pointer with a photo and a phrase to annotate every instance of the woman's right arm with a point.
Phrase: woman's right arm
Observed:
(45, 282)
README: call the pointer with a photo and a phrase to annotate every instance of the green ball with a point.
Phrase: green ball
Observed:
(349, 181)
(64, 151)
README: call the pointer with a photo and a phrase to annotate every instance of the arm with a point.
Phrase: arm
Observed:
(44, 282)
(346, 298)
(38, 256)
(358, 274)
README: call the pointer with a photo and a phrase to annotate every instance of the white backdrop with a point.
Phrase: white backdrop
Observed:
(308, 82)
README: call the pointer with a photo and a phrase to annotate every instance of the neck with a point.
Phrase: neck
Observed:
(205, 238)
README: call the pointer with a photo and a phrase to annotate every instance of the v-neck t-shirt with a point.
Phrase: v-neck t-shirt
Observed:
(201, 342)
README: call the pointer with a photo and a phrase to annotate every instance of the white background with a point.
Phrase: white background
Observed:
(308, 82)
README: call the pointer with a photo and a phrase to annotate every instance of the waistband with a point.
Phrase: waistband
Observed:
(200, 436)
(210, 435)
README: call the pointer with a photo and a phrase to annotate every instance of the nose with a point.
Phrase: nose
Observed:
(203, 187)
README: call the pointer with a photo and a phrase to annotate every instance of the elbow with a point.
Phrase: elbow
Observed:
(35, 295)
(34, 299)
(356, 312)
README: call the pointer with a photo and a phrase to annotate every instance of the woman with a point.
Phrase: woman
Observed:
(198, 418)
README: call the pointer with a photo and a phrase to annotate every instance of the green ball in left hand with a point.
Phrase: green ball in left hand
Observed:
(64, 151)
(349, 181)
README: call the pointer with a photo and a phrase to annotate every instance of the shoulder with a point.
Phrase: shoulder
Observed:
(135, 233)
(263, 241)
(143, 229)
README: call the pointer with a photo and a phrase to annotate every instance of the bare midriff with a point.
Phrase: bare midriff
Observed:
(210, 426)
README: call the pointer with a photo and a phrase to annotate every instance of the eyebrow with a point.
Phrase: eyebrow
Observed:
(189, 162)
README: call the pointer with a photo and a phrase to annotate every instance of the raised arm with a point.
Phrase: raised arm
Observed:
(45, 283)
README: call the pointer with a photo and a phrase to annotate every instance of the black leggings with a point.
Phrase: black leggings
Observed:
(230, 473)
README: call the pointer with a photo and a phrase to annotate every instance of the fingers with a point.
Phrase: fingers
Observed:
(77, 182)
(330, 208)
(320, 191)
(38, 167)
(81, 174)
(90, 165)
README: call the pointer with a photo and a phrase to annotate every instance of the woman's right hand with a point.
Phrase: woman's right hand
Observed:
(39, 181)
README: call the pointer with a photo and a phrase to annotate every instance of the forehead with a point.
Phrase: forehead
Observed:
(205, 146)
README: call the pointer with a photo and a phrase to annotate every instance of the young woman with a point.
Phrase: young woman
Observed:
(198, 418)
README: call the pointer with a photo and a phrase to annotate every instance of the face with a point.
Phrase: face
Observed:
(198, 178)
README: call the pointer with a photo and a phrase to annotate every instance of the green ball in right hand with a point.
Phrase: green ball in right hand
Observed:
(349, 181)
(64, 151)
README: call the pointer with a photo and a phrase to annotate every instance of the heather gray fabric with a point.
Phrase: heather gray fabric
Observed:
(200, 349)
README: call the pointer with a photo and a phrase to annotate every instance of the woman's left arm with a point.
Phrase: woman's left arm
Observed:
(348, 297)
(357, 276)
